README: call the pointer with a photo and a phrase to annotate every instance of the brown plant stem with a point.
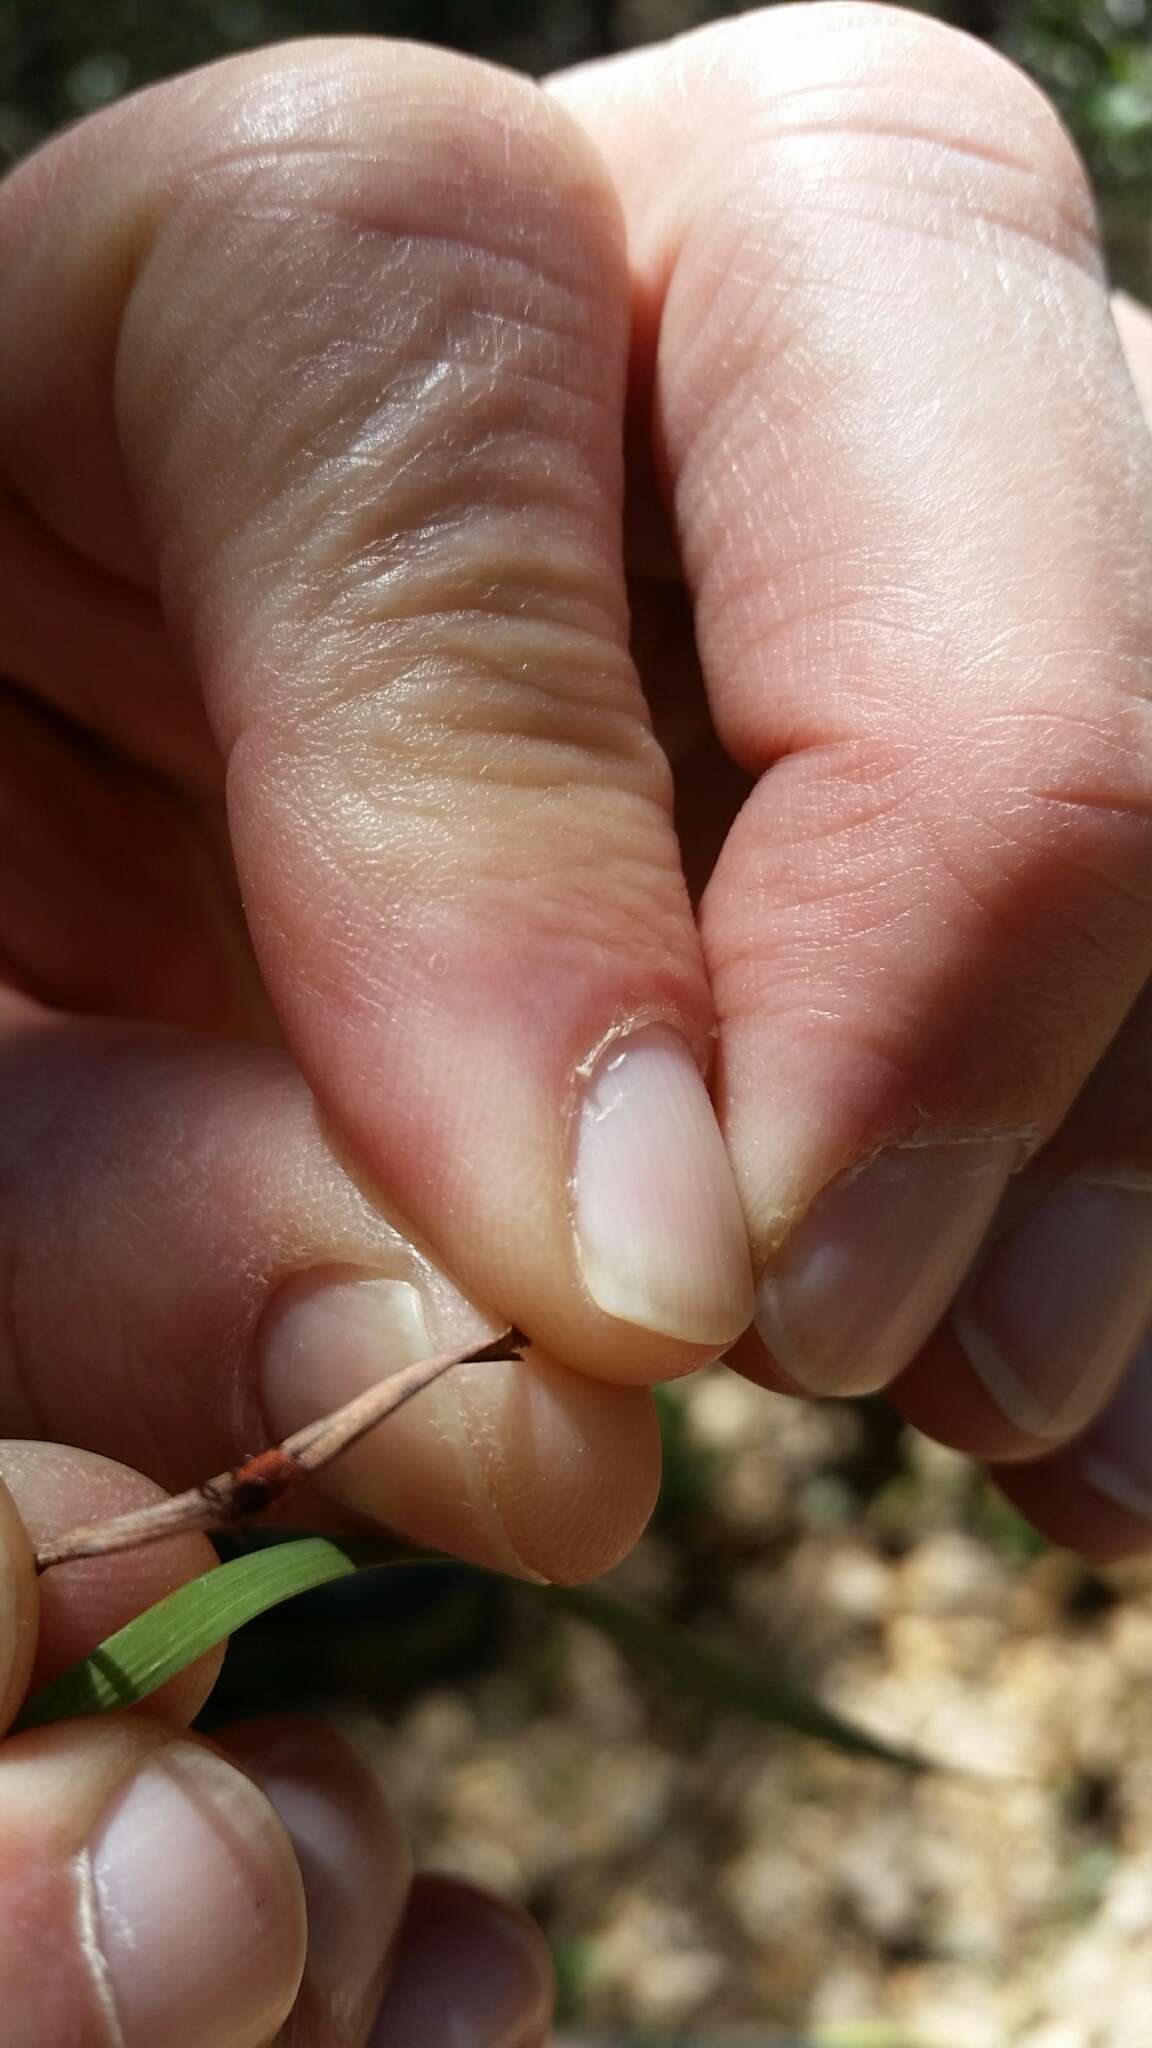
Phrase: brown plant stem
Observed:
(234, 1497)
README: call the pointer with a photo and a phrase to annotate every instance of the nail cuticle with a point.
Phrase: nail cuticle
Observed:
(892, 1158)
(621, 1032)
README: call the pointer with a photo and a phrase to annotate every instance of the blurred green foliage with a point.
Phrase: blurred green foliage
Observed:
(1094, 60)
(62, 58)
(1094, 57)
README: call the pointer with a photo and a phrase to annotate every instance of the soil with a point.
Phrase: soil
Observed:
(703, 1878)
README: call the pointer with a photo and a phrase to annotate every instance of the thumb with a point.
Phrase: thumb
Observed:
(358, 352)
(147, 1890)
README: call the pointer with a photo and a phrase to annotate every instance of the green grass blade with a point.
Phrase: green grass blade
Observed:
(157, 1644)
(701, 1667)
(153, 1647)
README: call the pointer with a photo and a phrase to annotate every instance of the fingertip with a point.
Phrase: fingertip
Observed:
(752, 1359)
(940, 1394)
(323, 1780)
(195, 1905)
(1058, 1496)
(469, 1968)
(661, 1233)
(977, 1412)
(864, 1277)
(570, 1464)
(1095, 1494)
(520, 1464)
(55, 1487)
(148, 1893)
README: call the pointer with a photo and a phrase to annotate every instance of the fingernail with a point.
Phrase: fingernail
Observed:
(1059, 1304)
(469, 1973)
(330, 1336)
(870, 1270)
(1116, 1453)
(352, 1856)
(194, 1910)
(661, 1233)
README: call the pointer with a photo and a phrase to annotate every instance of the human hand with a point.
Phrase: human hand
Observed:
(311, 405)
(311, 413)
(158, 1888)
(905, 475)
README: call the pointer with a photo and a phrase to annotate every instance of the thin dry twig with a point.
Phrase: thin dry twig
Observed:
(234, 1497)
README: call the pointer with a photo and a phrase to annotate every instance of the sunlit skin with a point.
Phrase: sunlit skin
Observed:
(259, 1482)
(519, 602)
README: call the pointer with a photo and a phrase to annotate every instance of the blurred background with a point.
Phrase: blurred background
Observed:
(61, 58)
(703, 1878)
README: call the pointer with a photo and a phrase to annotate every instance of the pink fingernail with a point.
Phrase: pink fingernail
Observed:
(868, 1273)
(1060, 1303)
(331, 1335)
(195, 1910)
(660, 1230)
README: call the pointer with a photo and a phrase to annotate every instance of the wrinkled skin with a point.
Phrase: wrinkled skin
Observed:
(517, 600)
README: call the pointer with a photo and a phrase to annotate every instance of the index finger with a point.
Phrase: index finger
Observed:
(330, 347)
(914, 497)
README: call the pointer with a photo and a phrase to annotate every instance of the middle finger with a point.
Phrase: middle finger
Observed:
(914, 497)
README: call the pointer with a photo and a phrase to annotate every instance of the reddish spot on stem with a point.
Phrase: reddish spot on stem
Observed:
(254, 1485)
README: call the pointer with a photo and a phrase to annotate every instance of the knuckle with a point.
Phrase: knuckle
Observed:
(943, 128)
(1031, 822)
(386, 300)
(516, 759)
(373, 199)
(361, 126)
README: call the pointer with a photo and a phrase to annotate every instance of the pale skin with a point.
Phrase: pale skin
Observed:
(403, 468)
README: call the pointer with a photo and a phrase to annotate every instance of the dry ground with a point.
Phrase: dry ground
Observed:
(708, 1880)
